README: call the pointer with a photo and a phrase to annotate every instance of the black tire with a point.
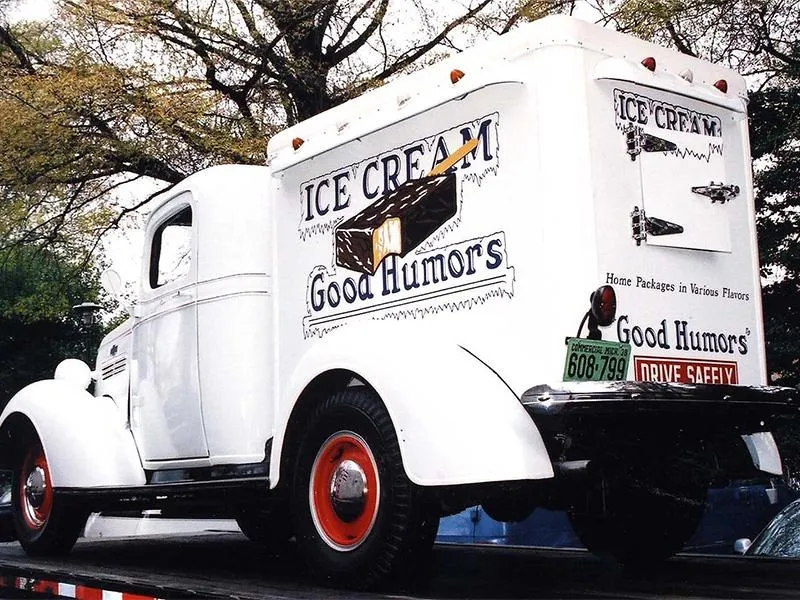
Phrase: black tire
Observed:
(265, 528)
(639, 521)
(394, 523)
(45, 524)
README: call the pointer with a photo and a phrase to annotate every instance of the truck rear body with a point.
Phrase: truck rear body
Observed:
(582, 176)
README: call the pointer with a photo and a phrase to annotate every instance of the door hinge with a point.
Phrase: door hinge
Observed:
(638, 225)
(636, 142)
(717, 192)
(642, 226)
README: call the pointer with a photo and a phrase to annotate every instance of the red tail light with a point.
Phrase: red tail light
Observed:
(649, 63)
(722, 86)
(604, 305)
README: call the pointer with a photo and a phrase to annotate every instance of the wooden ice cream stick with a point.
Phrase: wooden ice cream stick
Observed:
(454, 157)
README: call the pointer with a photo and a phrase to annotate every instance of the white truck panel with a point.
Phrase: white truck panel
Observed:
(688, 302)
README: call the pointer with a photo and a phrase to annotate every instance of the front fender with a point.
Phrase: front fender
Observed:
(457, 422)
(84, 437)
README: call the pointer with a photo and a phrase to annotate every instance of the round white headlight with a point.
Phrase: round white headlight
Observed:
(75, 372)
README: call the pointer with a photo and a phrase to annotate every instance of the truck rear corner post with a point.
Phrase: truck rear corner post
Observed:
(533, 283)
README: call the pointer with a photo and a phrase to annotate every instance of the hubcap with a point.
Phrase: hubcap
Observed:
(35, 490)
(344, 491)
(349, 491)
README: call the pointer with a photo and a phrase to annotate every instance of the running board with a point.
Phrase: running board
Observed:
(228, 492)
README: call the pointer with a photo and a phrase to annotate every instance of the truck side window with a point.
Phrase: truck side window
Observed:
(170, 256)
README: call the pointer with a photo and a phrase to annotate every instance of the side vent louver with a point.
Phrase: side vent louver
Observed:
(113, 368)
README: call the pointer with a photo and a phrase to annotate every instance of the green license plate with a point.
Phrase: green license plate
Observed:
(596, 360)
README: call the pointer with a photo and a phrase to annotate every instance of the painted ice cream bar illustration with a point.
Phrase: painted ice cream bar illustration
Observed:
(396, 223)
(400, 220)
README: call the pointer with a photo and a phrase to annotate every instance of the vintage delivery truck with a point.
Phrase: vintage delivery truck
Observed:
(524, 276)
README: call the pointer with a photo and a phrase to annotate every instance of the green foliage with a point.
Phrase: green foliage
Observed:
(37, 328)
(776, 135)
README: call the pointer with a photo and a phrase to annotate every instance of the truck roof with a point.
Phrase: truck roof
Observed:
(485, 63)
(213, 182)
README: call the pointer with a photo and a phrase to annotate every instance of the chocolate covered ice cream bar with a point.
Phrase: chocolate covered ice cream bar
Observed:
(396, 223)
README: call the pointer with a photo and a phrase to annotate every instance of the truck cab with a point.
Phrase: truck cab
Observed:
(194, 365)
(524, 276)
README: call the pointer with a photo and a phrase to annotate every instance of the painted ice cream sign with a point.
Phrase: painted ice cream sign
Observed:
(641, 110)
(388, 217)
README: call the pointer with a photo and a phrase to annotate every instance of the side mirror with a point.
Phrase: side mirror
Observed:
(741, 545)
(111, 282)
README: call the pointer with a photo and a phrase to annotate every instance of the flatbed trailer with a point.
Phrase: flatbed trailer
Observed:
(227, 565)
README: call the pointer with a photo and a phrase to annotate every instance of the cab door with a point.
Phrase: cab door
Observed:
(165, 410)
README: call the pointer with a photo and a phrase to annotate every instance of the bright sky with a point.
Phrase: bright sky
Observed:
(31, 10)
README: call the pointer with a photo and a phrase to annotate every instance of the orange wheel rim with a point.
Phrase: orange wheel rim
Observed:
(35, 489)
(344, 491)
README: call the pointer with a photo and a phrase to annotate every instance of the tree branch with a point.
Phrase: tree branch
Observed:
(680, 44)
(10, 42)
(414, 54)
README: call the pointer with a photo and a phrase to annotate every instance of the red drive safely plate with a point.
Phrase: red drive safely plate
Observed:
(684, 370)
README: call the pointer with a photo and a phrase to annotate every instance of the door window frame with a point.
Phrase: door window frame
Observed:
(157, 225)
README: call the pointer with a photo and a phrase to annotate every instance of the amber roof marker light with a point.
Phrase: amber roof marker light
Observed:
(456, 75)
(297, 142)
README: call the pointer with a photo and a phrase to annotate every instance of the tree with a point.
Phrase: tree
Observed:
(111, 91)
(37, 329)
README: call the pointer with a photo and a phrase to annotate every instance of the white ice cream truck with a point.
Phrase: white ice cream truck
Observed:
(524, 276)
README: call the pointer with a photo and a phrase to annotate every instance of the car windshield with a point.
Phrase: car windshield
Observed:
(781, 538)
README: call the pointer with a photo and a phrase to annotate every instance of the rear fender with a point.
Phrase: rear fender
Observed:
(457, 422)
(84, 437)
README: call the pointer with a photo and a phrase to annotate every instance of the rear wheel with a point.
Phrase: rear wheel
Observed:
(640, 519)
(44, 523)
(358, 519)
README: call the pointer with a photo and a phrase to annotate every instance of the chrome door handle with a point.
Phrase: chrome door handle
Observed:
(717, 192)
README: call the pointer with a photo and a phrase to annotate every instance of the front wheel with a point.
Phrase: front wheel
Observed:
(265, 528)
(44, 523)
(358, 519)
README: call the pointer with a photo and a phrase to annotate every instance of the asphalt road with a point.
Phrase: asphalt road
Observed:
(226, 565)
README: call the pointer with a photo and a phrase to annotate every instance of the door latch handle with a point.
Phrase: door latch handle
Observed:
(717, 192)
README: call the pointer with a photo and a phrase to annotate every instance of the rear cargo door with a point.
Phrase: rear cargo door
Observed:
(688, 181)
